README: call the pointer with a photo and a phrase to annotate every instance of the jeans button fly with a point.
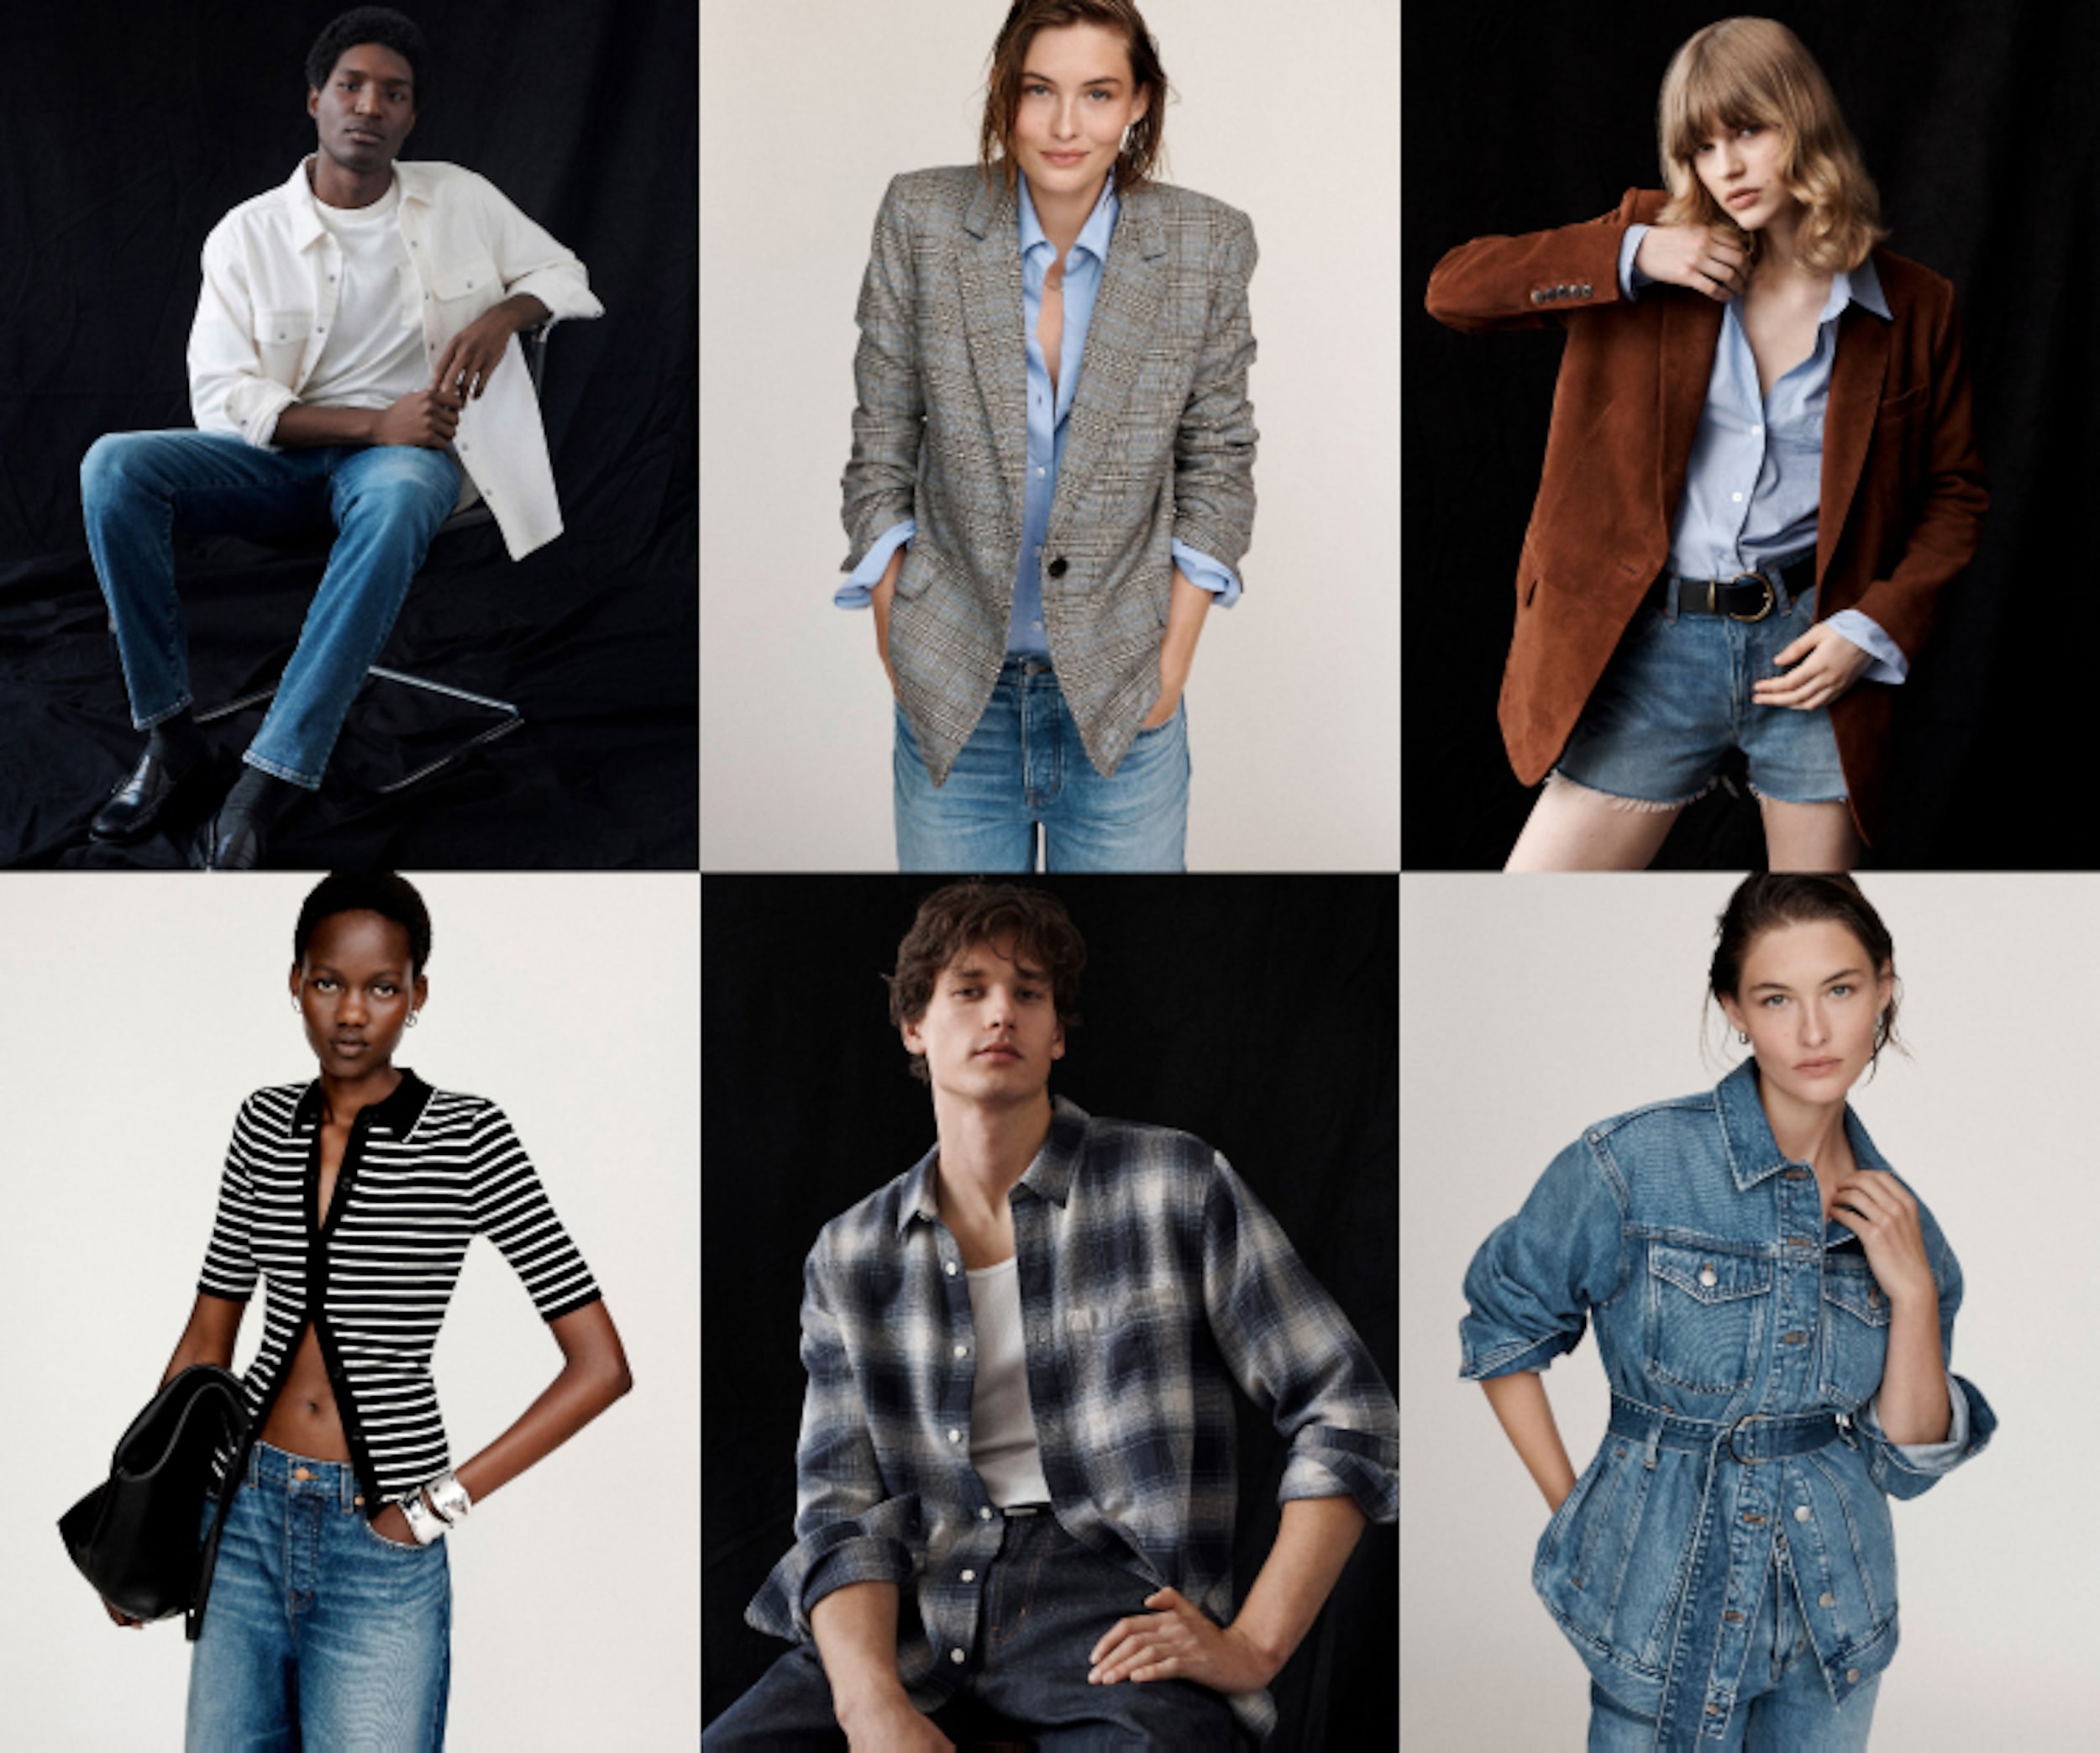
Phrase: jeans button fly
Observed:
(301, 1474)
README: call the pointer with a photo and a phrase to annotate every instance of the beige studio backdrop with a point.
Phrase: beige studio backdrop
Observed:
(808, 107)
(1533, 1006)
(140, 1010)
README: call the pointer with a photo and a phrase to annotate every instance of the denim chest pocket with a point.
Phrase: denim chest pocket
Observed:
(1706, 1317)
(1855, 1334)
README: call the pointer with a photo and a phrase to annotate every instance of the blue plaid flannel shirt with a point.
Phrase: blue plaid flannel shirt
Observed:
(1151, 1280)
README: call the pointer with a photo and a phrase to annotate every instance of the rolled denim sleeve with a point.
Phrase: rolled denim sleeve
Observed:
(1293, 1353)
(1905, 1470)
(846, 1529)
(1533, 1282)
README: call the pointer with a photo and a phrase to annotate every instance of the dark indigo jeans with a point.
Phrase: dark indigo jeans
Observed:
(387, 501)
(319, 1635)
(1047, 1601)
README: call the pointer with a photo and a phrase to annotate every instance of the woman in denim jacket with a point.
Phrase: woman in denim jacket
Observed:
(1775, 1309)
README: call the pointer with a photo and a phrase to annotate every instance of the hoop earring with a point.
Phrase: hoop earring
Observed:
(1742, 1037)
(413, 1016)
(1123, 151)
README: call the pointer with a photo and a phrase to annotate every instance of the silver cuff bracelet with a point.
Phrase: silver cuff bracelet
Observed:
(422, 1521)
(449, 1498)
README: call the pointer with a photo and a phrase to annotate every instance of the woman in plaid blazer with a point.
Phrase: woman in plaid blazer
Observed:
(1052, 471)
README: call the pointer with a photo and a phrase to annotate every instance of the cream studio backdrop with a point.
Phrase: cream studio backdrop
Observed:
(808, 107)
(1531, 1008)
(140, 1010)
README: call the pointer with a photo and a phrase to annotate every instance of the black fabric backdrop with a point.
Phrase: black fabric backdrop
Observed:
(130, 129)
(1258, 1013)
(1977, 125)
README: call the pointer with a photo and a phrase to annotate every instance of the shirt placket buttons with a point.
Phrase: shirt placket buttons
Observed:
(1708, 1276)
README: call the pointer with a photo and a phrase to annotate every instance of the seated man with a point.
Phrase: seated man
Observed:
(1015, 1480)
(350, 323)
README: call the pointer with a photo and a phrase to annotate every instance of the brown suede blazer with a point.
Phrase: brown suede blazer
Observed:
(1903, 494)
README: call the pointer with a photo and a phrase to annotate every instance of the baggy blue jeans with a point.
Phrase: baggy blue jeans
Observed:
(318, 1634)
(1024, 768)
(385, 501)
(1046, 1600)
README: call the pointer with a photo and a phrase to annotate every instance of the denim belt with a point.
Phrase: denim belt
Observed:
(1753, 1441)
(1747, 597)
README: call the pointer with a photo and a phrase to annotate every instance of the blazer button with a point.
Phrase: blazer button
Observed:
(1058, 567)
(1585, 289)
(1537, 296)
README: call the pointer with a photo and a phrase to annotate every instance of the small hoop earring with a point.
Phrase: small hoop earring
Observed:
(294, 1007)
(1742, 1037)
(413, 1016)
(1123, 150)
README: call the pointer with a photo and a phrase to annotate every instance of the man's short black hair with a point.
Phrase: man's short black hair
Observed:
(366, 892)
(380, 24)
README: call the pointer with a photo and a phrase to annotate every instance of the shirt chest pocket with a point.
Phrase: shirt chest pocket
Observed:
(1707, 1311)
(280, 341)
(1123, 1350)
(1855, 1334)
(465, 290)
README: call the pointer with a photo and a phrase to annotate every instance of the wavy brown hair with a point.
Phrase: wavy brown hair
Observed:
(1753, 73)
(1010, 53)
(1028, 926)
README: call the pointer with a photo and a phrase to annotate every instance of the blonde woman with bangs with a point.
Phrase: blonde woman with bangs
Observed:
(1760, 473)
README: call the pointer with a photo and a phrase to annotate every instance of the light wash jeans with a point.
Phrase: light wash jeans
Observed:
(318, 1633)
(387, 500)
(1024, 768)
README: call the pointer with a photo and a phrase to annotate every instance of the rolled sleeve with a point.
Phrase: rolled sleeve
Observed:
(858, 592)
(846, 1529)
(229, 391)
(1206, 573)
(1630, 278)
(1214, 446)
(1533, 1282)
(531, 260)
(1294, 1354)
(1889, 663)
(880, 484)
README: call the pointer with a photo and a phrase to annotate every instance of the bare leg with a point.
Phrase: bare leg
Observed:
(1571, 827)
(1809, 836)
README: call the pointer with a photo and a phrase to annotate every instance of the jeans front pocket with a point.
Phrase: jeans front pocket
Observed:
(1855, 1333)
(1706, 1316)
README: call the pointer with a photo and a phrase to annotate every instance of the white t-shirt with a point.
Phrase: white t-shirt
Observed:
(373, 354)
(1003, 1446)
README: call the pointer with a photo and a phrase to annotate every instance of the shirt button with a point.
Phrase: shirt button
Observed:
(969, 1576)
(1736, 497)
(1707, 1277)
(301, 1474)
(1851, 1676)
(1038, 475)
(955, 1437)
(985, 1513)
(1757, 432)
(957, 1658)
(1826, 1599)
(951, 1268)
(961, 1351)
(1801, 1513)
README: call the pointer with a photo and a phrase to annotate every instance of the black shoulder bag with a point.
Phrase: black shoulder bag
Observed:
(133, 1536)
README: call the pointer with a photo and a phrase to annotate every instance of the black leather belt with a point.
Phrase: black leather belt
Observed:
(1747, 597)
(1751, 1440)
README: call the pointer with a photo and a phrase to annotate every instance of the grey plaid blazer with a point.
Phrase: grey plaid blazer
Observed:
(1160, 446)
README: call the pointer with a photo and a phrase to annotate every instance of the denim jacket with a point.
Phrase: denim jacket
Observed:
(1721, 1294)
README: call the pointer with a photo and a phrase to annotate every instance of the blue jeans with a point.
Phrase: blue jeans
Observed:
(1046, 1601)
(387, 501)
(317, 1633)
(1782, 1704)
(1676, 697)
(1024, 768)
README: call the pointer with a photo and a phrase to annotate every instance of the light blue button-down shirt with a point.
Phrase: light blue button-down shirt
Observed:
(1047, 421)
(1754, 483)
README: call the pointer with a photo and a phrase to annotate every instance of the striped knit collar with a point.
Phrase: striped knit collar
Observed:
(397, 1115)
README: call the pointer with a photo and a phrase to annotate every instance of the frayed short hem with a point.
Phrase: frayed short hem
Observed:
(1633, 805)
(1843, 797)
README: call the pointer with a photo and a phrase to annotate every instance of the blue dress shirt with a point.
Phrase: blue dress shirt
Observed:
(1083, 272)
(1754, 482)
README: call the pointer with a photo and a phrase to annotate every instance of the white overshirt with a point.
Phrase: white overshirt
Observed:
(271, 278)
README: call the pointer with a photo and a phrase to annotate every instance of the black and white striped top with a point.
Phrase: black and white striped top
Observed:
(424, 1172)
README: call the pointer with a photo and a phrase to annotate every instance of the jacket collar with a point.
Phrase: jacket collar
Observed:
(396, 1117)
(1753, 1153)
(410, 181)
(1049, 1176)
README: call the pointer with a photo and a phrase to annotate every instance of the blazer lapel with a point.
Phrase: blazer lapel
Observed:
(1691, 331)
(1125, 311)
(988, 260)
(1857, 376)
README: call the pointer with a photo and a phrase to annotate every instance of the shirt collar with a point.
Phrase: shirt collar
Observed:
(1094, 235)
(397, 1115)
(1049, 1175)
(306, 220)
(1861, 286)
(1754, 1154)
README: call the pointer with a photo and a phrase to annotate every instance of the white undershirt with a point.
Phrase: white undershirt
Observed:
(1003, 1447)
(374, 355)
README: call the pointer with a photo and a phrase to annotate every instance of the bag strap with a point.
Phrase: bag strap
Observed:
(207, 1561)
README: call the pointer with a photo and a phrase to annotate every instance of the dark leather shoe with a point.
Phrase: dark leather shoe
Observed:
(237, 848)
(136, 806)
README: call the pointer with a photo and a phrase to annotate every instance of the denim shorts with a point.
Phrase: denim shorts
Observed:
(1675, 699)
(317, 1631)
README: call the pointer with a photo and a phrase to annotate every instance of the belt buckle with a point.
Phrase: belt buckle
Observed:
(1733, 1455)
(1771, 597)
